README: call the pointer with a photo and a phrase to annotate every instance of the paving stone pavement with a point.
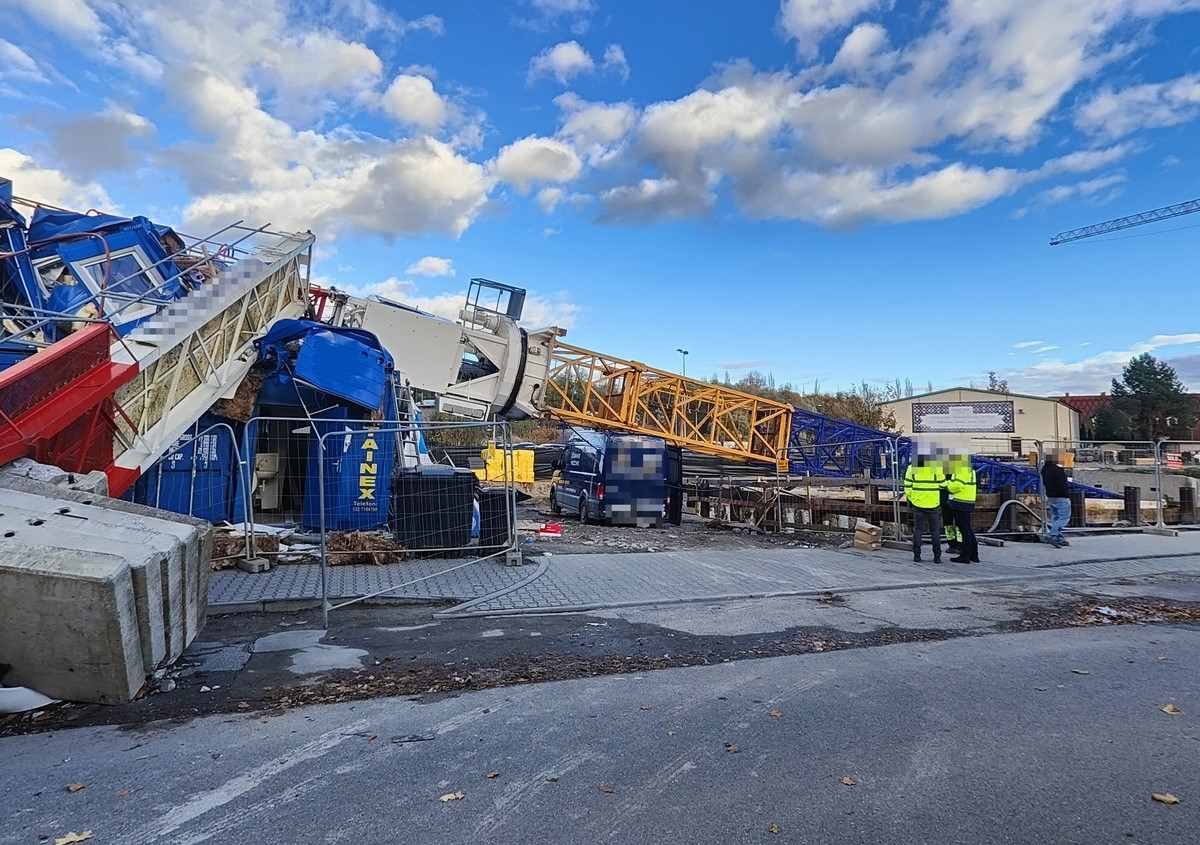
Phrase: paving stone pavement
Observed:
(594, 580)
(600, 580)
(232, 588)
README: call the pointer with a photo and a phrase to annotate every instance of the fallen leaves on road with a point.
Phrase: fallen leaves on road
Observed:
(76, 787)
(452, 796)
(1171, 710)
(1164, 798)
(71, 838)
(846, 780)
(552, 779)
(775, 713)
(607, 788)
(1081, 671)
(731, 748)
(774, 827)
(492, 775)
(645, 707)
(122, 793)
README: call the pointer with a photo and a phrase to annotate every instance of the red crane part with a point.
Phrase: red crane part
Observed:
(56, 406)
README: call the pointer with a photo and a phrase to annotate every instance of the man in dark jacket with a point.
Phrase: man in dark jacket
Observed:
(1058, 500)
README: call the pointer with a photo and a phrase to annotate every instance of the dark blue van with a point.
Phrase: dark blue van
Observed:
(617, 478)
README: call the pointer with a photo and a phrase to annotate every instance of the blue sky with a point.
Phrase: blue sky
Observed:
(832, 190)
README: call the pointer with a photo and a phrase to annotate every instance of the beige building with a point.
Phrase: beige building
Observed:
(984, 421)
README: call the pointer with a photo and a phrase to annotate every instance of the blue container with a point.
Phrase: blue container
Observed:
(208, 494)
(358, 462)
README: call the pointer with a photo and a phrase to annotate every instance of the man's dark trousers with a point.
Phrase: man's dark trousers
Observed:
(927, 519)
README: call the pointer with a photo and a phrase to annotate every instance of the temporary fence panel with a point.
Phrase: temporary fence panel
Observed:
(198, 476)
(433, 510)
(350, 489)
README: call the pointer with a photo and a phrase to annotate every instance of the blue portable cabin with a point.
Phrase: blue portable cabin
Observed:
(94, 257)
(198, 475)
(341, 379)
(18, 280)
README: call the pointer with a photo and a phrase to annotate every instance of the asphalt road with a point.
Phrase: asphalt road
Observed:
(998, 738)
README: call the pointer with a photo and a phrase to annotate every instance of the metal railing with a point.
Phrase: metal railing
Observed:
(363, 491)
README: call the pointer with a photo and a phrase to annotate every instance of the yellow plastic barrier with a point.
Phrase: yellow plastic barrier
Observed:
(520, 462)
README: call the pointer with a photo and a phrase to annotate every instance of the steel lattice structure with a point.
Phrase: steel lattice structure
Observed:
(1165, 213)
(592, 389)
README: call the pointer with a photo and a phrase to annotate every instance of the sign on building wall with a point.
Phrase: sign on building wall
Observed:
(931, 417)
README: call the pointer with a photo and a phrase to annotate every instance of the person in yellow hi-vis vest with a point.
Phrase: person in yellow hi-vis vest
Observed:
(923, 481)
(961, 485)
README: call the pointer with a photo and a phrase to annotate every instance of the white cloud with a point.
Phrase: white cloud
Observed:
(1084, 161)
(73, 18)
(615, 62)
(654, 199)
(93, 143)
(904, 139)
(551, 198)
(809, 21)
(49, 185)
(563, 7)
(412, 99)
(562, 61)
(1042, 350)
(862, 49)
(372, 17)
(549, 13)
(18, 66)
(431, 265)
(595, 130)
(540, 311)
(1091, 374)
(1086, 188)
(311, 74)
(244, 74)
(1116, 113)
(536, 159)
(79, 22)
(1028, 344)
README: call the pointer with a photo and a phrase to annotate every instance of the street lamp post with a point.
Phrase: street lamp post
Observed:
(683, 354)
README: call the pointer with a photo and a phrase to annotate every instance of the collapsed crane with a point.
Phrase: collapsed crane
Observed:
(488, 364)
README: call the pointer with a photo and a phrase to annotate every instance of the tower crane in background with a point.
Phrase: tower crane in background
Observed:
(1165, 213)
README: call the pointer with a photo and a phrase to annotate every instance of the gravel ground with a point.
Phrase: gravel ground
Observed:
(694, 533)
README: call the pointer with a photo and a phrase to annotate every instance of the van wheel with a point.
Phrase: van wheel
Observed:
(584, 515)
(555, 507)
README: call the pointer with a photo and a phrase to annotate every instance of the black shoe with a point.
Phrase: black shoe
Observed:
(916, 558)
(960, 559)
(974, 560)
(937, 560)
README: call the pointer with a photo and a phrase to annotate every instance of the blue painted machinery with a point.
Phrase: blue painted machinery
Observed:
(822, 445)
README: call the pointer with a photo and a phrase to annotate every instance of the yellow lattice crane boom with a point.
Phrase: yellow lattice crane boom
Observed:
(590, 388)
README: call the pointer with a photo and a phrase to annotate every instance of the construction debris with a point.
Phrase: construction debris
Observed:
(868, 537)
(373, 547)
(230, 545)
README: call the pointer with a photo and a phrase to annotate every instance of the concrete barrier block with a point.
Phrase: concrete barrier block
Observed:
(143, 552)
(196, 534)
(31, 469)
(68, 622)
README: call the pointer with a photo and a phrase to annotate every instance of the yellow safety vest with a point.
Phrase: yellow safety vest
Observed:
(961, 485)
(923, 485)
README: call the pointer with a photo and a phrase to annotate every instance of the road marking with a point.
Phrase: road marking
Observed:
(234, 788)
